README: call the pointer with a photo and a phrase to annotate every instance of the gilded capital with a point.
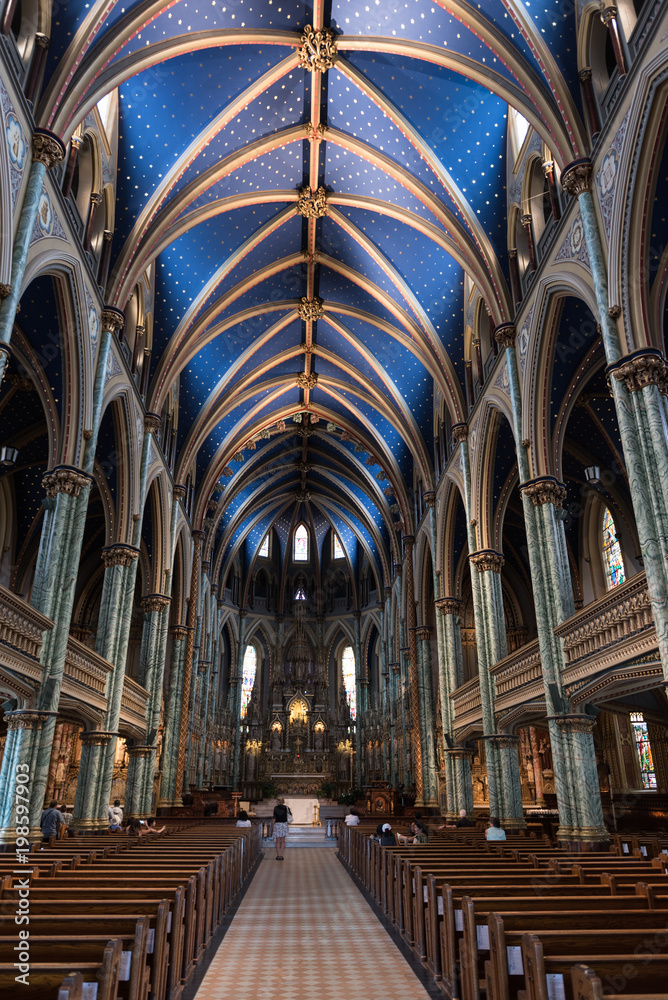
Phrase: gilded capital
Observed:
(576, 178)
(65, 479)
(576, 723)
(429, 498)
(179, 633)
(460, 432)
(140, 751)
(112, 319)
(449, 605)
(503, 740)
(312, 204)
(487, 560)
(179, 491)
(152, 423)
(642, 368)
(155, 603)
(608, 11)
(545, 489)
(47, 148)
(423, 632)
(96, 738)
(395, 667)
(318, 49)
(505, 335)
(27, 719)
(119, 555)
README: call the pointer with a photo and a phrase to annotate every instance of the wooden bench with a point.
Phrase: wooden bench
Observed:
(46, 978)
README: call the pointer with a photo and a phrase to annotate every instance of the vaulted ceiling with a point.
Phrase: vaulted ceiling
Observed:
(313, 206)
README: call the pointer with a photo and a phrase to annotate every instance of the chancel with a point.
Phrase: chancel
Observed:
(334, 498)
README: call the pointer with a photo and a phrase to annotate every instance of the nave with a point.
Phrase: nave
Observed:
(304, 931)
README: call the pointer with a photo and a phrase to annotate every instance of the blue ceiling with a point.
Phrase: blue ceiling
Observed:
(413, 157)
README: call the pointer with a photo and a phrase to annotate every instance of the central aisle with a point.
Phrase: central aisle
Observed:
(304, 932)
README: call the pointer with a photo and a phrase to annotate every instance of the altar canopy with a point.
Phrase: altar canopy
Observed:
(303, 809)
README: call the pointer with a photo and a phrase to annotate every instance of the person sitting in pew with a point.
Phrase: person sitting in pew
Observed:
(352, 819)
(116, 816)
(494, 831)
(461, 822)
(415, 835)
(150, 827)
(133, 827)
(387, 837)
(243, 818)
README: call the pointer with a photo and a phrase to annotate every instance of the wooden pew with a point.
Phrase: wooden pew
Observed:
(45, 978)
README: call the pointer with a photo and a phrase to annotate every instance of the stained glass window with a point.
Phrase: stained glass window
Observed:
(338, 548)
(248, 679)
(639, 727)
(264, 548)
(300, 594)
(348, 671)
(301, 544)
(612, 552)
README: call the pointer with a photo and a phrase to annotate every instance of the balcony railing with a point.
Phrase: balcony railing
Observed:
(21, 627)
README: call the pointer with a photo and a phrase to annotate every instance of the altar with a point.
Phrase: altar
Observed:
(305, 810)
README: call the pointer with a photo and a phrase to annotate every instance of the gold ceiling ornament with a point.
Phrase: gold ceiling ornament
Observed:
(315, 133)
(305, 381)
(311, 258)
(304, 466)
(312, 204)
(310, 310)
(318, 49)
(303, 496)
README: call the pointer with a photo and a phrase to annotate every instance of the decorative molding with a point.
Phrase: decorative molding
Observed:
(318, 49)
(312, 204)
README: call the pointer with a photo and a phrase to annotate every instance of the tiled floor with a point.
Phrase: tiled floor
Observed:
(304, 932)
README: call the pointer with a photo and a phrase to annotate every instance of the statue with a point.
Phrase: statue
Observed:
(344, 771)
(342, 710)
(250, 766)
(319, 742)
(378, 762)
(275, 739)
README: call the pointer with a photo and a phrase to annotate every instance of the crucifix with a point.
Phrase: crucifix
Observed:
(298, 744)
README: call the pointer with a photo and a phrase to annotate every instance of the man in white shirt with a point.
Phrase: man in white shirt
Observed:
(352, 819)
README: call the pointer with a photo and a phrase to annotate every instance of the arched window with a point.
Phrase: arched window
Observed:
(612, 553)
(349, 682)
(249, 670)
(337, 548)
(264, 548)
(644, 749)
(300, 550)
(300, 593)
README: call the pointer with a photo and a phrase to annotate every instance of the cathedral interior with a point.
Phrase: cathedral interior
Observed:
(333, 414)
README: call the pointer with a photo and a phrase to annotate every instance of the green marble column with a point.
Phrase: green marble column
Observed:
(47, 151)
(196, 678)
(236, 701)
(181, 773)
(20, 808)
(141, 768)
(170, 739)
(427, 716)
(416, 724)
(93, 746)
(641, 426)
(395, 680)
(459, 787)
(360, 706)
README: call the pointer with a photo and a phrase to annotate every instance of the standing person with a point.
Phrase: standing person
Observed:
(352, 819)
(494, 831)
(243, 818)
(281, 828)
(52, 821)
(116, 816)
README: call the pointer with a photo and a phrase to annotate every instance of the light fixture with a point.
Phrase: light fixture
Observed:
(593, 475)
(8, 457)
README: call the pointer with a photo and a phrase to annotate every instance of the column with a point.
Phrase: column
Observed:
(537, 764)
(609, 18)
(93, 745)
(170, 738)
(361, 705)
(236, 700)
(648, 482)
(198, 538)
(428, 730)
(47, 151)
(461, 795)
(196, 682)
(413, 668)
(141, 767)
(459, 787)
(20, 808)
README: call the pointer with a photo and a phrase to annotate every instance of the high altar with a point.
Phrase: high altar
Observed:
(296, 742)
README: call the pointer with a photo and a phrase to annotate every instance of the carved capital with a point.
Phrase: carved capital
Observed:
(503, 741)
(449, 605)
(642, 368)
(395, 667)
(545, 489)
(179, 633)
(576, 178)
(526, 220)
(155, 603)
(318, 49)
(119, 555)
(460, 432)
(152, 423)
(27, 719)
(505, 335)
(310, 310)
(409, 541)
(65, 479)
(459, 753)
(47, 148)
(140, 751)
(95, 198)
(576, 723)
(5, 289)
(430, 498)
(423, 632)
(96, 738)
(305, 381)
(179, 491)
(608, 11)
(585, 74)
(112, 319)
(312, 204)
(487, 560)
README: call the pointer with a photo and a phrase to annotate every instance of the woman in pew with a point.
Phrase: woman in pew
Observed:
(243, 818)
(150, 827)
(494, 831)
(415, 836)
(387, 838)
